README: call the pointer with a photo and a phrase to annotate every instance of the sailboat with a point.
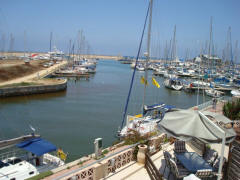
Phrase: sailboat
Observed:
(211, 92)
(27, 156)
(214, 93)
(147, 121)
(174, 84)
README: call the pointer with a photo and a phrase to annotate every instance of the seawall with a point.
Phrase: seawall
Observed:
(61, 85)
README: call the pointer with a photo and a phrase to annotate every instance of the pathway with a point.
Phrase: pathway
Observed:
(37, 75)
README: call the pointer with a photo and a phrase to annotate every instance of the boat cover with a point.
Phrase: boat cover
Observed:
(37, 146)
(156, 106)
(188, 124)
(2, 164)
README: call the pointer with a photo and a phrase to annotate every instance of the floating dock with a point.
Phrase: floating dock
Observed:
(206, 88)
(70, 75)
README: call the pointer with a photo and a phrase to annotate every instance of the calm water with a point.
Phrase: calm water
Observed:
(87, 110)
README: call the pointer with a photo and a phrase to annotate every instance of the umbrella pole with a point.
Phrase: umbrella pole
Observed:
(221, 159)
(223, 144)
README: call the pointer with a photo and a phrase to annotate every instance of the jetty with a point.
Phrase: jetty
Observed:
(206, 88)
(34, 83)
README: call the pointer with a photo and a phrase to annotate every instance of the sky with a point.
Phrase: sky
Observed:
(113, 27)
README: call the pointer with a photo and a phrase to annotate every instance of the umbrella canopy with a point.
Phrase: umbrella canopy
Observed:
(188, 124)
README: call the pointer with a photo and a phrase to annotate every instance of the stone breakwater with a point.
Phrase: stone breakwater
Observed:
(59, 85)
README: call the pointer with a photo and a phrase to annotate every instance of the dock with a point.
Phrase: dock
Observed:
(193, 89)
(86, 75)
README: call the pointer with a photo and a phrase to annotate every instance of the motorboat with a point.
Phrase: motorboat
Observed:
(27, 156)
(214, 93)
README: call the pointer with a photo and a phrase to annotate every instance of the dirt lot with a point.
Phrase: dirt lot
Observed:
(12, 69)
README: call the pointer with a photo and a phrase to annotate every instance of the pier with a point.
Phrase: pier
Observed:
(34, 83)
(190, 89)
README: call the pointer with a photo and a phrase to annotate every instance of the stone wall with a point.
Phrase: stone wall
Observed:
(34, 89)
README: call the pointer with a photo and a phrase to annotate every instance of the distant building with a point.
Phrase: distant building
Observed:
(56, 54)
(212, 61)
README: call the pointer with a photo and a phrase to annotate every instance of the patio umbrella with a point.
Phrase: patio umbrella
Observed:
(206, 126)
(188, 124)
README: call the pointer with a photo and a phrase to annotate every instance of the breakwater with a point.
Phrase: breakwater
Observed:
(60, 85)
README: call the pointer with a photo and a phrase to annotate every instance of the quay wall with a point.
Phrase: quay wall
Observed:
(33, 89)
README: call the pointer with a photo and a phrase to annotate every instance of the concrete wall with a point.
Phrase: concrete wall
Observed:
(35, 89)
(102, 169)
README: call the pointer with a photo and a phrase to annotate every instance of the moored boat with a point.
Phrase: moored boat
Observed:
(174, 84)
(146, 122)
(235, 92)
(31, 158)
(214, 93)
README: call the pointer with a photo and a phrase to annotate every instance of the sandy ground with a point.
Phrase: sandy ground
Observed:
(32, 76)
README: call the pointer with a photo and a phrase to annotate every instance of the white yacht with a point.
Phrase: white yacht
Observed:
(200, 84)
(235, 92)
(31, 158)
(140, 67)
(174, 84)
(160, 72)
(214, 93)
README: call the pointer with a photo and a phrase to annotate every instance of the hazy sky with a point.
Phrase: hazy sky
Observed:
(114, 26)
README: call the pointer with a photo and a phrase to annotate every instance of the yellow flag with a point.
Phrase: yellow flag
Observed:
(143, 81)
(155, 83)
(61, 154)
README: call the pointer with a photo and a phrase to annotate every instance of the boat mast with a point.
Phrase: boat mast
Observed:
(174, 49)
(50, 48)
(134, 71)
(236, 52)
(231, 63)
(210, 43)
(148, 50)
(25, 44)
(199, 69)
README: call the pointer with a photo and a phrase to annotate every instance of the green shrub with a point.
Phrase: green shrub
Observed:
(165, 139)
(105, 151)
(135, 137)
(135, 152)
(80, 163)
(232, 110)
(41, 175)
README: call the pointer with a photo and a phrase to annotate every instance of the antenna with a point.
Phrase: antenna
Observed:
(32, 128)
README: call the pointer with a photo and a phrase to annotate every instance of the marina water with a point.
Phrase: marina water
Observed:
(88, 109)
